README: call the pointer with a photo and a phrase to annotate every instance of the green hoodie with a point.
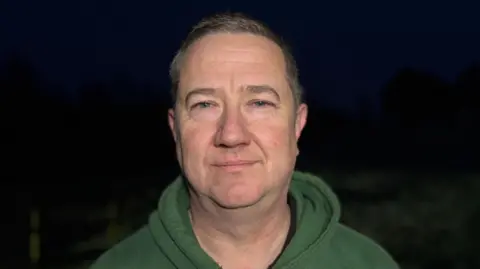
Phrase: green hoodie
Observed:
(319, 240)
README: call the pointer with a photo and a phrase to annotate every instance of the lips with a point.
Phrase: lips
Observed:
(234, 163)
(234, 166)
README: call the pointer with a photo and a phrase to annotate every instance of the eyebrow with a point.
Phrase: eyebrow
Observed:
(255, 89)
(199, 91)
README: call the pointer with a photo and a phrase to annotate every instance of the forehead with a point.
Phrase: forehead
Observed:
(235, 59)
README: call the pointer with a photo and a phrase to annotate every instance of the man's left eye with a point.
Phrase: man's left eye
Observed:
(261, 103)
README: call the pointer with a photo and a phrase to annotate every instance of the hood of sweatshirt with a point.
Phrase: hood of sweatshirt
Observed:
(317, 215)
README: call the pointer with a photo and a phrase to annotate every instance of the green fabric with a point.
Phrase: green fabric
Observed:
(320, 241)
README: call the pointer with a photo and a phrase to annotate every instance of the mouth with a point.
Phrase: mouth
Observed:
(234, 165)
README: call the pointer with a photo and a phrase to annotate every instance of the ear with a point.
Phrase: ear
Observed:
(171, 123)
(300, 119)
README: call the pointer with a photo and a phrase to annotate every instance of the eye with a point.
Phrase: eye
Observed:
(262, 103)
(203, 104)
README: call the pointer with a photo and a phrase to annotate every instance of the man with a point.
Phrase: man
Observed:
(239, 204)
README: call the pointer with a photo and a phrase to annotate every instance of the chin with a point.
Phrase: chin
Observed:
(235, 204)
(237, 198)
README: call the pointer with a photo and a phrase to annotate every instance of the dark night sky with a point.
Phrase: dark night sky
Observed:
(344, 49)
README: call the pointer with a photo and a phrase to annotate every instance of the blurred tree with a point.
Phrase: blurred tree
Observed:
(468, 82)
(125, 90)
(94, 96)
(20, 91)
(413, 99)
(468, 85)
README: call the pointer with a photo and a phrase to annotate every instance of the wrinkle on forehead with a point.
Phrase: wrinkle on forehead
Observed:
(227, 54)
(236, 47)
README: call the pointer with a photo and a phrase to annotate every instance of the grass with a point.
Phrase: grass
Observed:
(421, 219)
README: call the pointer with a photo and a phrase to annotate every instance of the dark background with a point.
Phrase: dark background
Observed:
(393, 91)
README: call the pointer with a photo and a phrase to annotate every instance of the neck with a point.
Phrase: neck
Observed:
(241, 237)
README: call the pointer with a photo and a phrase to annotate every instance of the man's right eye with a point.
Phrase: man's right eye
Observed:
(203, 104)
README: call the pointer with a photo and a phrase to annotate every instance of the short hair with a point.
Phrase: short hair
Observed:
(228, 22)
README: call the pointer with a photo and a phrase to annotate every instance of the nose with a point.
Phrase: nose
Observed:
(232, 130)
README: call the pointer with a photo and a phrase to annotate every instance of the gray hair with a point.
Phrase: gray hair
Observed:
(235, 23)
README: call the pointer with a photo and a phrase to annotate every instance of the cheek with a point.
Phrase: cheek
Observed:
(273, 136)
(195, 140)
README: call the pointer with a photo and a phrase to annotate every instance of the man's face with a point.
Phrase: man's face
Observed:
(235, 123)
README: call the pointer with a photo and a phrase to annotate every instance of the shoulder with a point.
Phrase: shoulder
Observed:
(359, 251)
(133, 251)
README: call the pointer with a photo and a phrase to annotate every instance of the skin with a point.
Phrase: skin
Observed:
(236, 127)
